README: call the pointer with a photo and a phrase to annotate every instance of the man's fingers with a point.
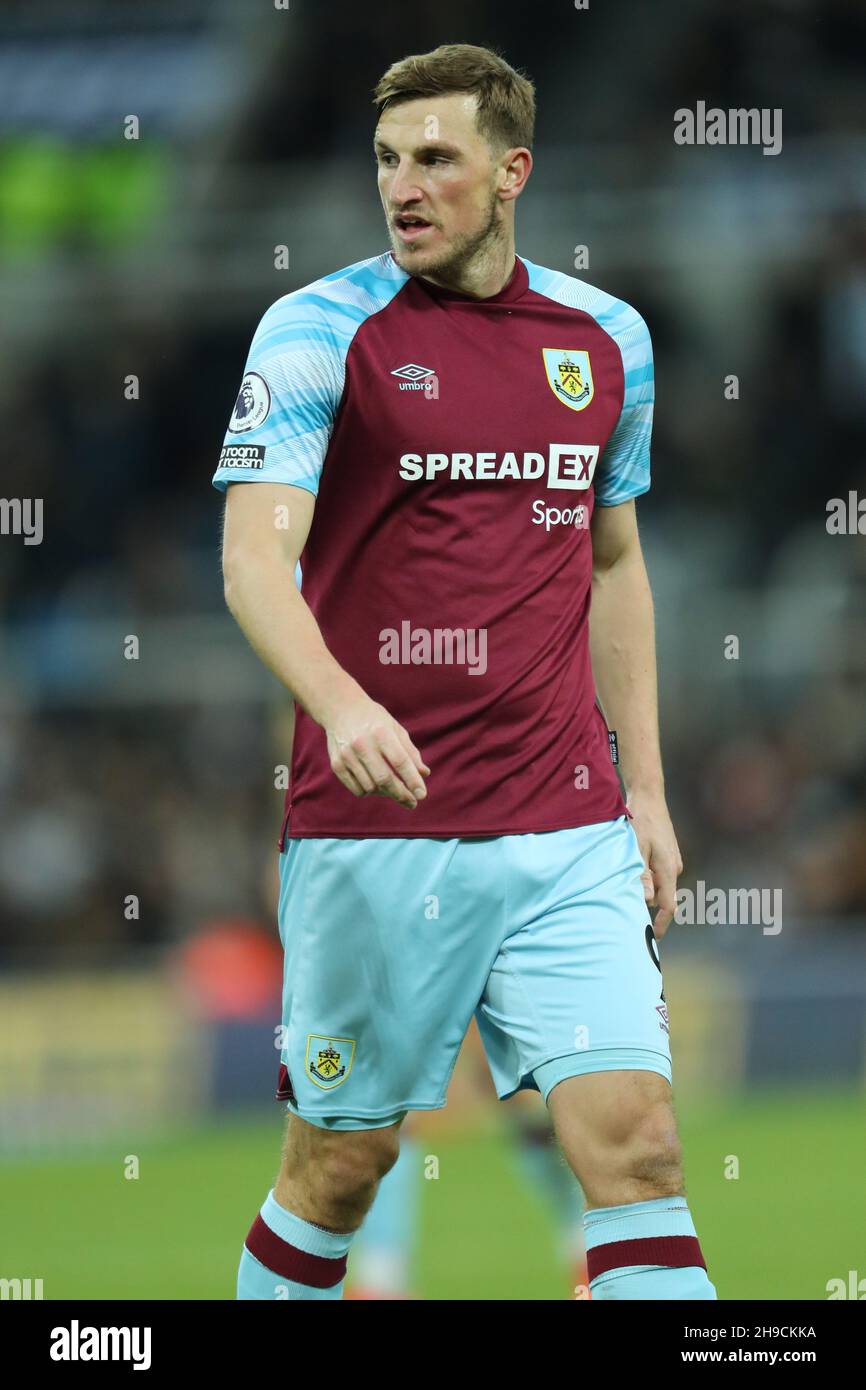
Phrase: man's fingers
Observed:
(399, 751)
(348, 778)
(396, 766)
(665, 896)
(380, 760)
(347, 766)
(353, 764)
(386, 781)
(406, 768)
(414, 753)
(661, 922)
(662, 867)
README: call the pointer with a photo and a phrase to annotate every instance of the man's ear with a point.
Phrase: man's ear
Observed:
(516, 166)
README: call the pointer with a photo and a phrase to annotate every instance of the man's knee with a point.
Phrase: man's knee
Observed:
(335, 1168)
(351, 1159)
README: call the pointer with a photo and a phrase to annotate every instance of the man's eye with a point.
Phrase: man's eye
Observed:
(388, 160)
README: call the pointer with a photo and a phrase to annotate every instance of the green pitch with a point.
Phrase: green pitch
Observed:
(793, 1219)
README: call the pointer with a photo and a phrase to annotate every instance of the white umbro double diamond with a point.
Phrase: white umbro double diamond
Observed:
(412, 372)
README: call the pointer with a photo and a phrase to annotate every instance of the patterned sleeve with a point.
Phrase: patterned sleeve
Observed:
(624, 470)
(293, 382)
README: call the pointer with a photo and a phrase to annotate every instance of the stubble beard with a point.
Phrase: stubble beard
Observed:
(451, 265)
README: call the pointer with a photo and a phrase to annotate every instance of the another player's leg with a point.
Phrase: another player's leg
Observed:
(383, 1255)
(618, 1132)
(298, 1244)
(547, 1173)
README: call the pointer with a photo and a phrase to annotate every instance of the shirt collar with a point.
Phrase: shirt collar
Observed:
(513, 288)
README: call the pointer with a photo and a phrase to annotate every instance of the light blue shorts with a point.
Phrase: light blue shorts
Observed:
(392, 945)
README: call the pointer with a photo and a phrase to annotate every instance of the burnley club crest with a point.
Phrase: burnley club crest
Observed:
(569, 376)
(329, 1060)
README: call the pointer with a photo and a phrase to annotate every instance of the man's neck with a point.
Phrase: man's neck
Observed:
(481, 281)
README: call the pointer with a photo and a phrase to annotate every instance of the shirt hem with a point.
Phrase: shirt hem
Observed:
(458, 832)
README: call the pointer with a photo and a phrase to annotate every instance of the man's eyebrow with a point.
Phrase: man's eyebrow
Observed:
(429, 147)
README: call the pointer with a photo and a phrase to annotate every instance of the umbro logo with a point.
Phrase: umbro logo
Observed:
(415, 378)
(412, 372)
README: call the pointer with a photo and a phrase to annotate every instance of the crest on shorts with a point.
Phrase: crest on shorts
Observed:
(569, 376)
(328, 1060)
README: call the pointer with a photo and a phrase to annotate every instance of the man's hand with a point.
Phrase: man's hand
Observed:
(661, 856)
(372, 754)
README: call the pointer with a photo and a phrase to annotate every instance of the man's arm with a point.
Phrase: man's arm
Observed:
(265, 531)
(622, 645)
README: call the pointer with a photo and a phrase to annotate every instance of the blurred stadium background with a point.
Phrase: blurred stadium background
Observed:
(139, 963)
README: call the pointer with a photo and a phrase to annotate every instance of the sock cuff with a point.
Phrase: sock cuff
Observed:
(641, 1236)
(303, 1235)
(661, 1217)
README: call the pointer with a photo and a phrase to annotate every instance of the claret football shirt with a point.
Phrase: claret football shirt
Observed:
(456, 448)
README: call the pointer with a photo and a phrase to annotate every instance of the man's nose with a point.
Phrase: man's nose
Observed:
(403, 187)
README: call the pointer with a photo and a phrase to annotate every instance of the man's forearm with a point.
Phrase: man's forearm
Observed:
(622, 644)
(266, 604)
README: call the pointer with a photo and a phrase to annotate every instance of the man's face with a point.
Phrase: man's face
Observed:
(434, 165)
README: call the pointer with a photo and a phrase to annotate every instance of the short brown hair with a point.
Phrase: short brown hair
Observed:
(505, 98)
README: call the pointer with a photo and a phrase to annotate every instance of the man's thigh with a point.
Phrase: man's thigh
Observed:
(577, 986)
(388, 944)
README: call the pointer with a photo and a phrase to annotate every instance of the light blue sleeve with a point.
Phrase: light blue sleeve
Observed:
(624, 468)
(293, 382)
